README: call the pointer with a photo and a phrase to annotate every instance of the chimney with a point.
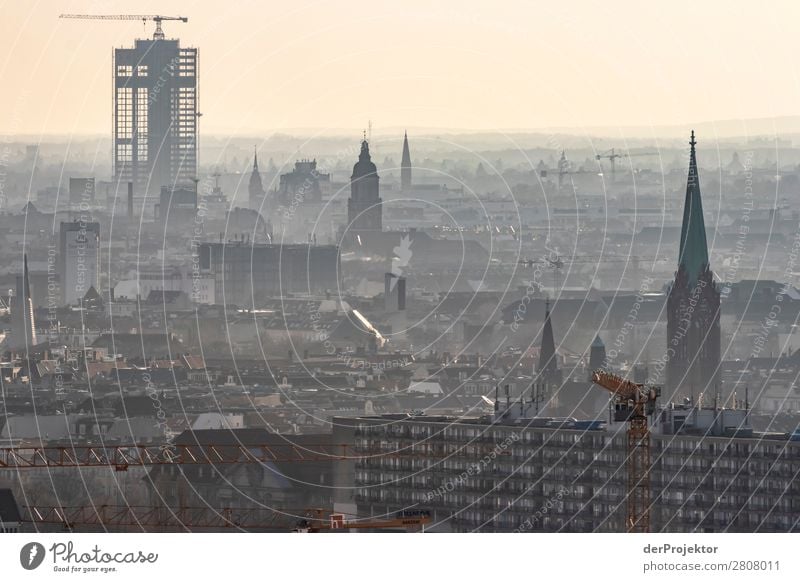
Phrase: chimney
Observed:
(401, 294)
(130, 200)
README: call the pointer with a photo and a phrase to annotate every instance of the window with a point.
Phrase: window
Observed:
(124, 71)
(141, 71)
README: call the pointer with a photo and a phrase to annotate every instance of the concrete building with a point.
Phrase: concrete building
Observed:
(303, 184)
(176, 209)
(563, 475)
(79, 259)
(81, 192)
(249, 274)
(155, 115)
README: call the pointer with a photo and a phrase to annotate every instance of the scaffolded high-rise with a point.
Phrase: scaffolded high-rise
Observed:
(155, 115)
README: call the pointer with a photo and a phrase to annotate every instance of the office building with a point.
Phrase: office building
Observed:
(248, 274)
(516, 472)
(155, 115)
(79, 259)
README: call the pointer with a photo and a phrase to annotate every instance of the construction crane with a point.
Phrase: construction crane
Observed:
(612, 155)
(633, 403)
(564, 170)
(158, 34)
(160, 518)
(123, 457)
(408, 520)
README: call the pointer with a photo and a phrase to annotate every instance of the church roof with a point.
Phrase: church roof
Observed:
(693, 252)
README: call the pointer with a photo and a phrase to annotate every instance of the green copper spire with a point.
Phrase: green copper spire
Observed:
(693, 248)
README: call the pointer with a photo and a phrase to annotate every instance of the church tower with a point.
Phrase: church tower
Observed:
(547, 372)
(255, 188)
(405, 166)
(693, 304)
(364, 208)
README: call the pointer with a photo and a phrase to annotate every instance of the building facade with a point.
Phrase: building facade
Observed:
(79, 268)
(557, 475)
(303, 184)
(248, 274)
(155, 115)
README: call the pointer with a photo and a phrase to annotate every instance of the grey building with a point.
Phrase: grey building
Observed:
(155, 115)
(79, 259)
(551, 475)
(249, 274)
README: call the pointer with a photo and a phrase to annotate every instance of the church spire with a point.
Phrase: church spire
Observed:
(693, 251)
(255, 188)
(405, 165)
(547, 350)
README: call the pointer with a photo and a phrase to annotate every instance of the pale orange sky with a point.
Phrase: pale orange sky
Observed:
(456, 64)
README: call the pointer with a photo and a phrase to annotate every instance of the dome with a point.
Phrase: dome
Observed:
(364, 166)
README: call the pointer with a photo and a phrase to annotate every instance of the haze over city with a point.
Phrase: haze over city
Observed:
(422, 267)
(514, 66)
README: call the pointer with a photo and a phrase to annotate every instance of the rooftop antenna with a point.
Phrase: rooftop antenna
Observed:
(369, 126)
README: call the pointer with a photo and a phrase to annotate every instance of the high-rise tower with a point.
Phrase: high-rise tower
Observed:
(23, 332)
(155, 115)
(364, 208)
(693, 305)
(405, 165)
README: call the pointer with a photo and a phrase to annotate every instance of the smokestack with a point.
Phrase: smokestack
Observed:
(401, 294)
(130, 200)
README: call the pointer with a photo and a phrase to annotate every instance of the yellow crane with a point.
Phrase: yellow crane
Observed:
(633, 403)
(158, 19)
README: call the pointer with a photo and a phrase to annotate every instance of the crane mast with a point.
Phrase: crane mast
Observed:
(633, 403)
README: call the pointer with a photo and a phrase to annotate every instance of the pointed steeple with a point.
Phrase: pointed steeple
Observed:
(547, 351)
(405, 165)
(255, 188)
(693, 252)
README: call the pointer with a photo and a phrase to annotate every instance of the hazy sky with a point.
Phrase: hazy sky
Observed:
(267, 65)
